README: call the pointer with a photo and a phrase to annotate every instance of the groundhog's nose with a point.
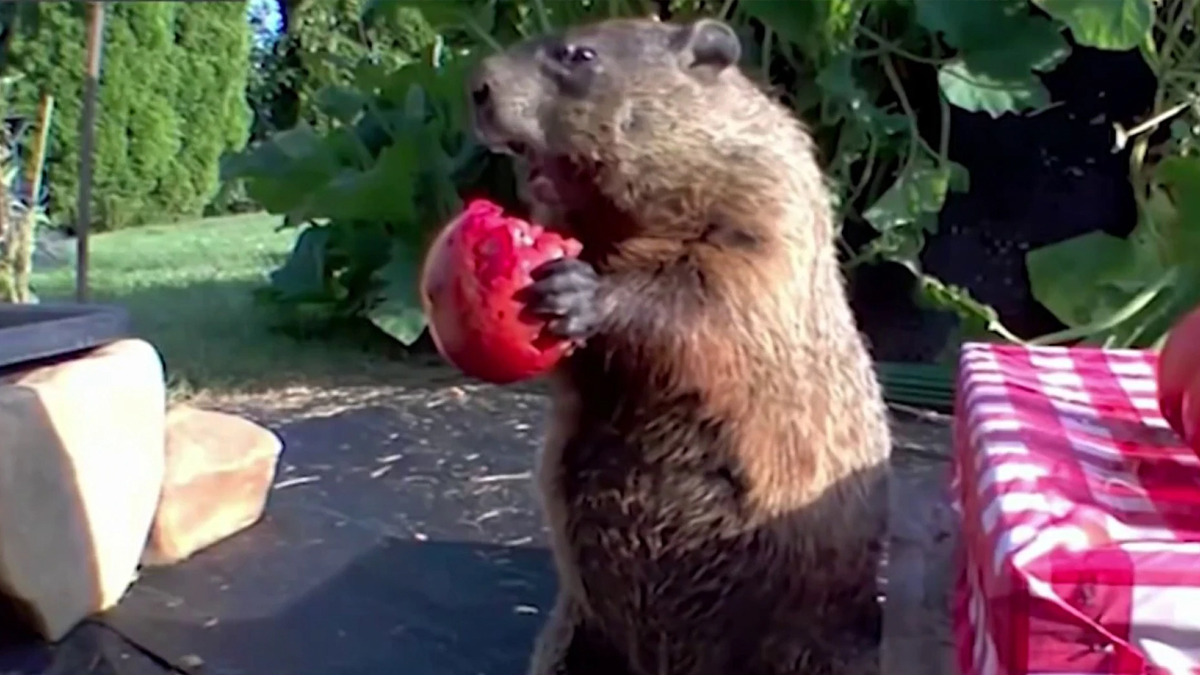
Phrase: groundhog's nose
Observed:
(481, 89)
(482, 94)
(483, 103)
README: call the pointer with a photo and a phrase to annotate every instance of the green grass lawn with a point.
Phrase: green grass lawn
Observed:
(188, 288)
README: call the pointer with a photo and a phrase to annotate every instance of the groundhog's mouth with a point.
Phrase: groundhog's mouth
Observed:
(564, 188)
(543, 179)
(541, 186)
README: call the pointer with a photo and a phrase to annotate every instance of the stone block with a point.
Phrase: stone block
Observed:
(81, 467)
(219, 470)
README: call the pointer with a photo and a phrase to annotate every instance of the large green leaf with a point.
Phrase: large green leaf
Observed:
(382, 192)
(816, 27)
(1180, 176)
(1000, 48)
(978, 26)
(340, 102)
(1128, 292)
(282, 172)
(796, 22)
(918, 191)
(399, 312)
(908, 210)
(1104, 24)
(1146, 326)
(1088, 277)
(978, 91)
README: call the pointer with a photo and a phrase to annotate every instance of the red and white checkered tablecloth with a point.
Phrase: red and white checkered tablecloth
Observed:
(1081, 517)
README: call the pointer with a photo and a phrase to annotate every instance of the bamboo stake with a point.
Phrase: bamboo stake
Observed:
(27, 229)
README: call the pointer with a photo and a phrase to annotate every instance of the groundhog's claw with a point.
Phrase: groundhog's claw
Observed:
(564, 293)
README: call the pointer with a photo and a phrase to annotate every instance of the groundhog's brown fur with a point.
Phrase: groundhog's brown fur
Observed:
(714, 476)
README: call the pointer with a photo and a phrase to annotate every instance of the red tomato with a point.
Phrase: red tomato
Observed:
(1178, 368)
(1191, 416)
(471, 274)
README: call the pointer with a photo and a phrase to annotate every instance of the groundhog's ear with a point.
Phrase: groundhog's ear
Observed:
(708, 44)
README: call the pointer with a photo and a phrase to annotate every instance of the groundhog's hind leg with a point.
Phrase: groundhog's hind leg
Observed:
(568, 647)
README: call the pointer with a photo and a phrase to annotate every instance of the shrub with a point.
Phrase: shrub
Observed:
(326, 42)
(172, 100)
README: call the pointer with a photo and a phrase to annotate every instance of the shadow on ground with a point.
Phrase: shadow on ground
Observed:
(398, 536)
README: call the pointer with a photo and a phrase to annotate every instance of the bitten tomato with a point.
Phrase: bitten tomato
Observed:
(471, 276)
(1179, 369)
(1191, 416)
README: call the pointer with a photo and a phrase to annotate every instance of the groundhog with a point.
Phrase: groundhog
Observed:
(714, 475)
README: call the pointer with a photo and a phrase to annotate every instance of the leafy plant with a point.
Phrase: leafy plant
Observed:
(395, 160)
(366, 191)
(171, 102)
(861, 57)
(1127, 291)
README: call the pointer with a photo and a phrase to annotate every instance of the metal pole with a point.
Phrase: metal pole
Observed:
(87, 134)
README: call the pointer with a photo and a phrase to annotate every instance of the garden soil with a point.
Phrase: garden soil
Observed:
(1035, 180)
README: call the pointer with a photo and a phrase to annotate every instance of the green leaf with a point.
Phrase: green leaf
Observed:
(796, 22)
(341, 102)
(1180, 177)
(837, 80)
(302, 276)
(901, 245)
(1144, 327)
(1000, 47)
(816, 27)
(960, 177)
(981, 92)
(1032, 43)
(906, 212)
(1104, 24)
(399, 313)
(414, 104)
(283, 171)
(1088, 277)
(975, 26)
(383, 192)
(1127, 292)
(920, 190)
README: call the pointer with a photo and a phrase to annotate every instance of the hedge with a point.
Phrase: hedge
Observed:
(327, 40)
(172, 101)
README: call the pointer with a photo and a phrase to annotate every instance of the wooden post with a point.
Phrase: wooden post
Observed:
(87, 135)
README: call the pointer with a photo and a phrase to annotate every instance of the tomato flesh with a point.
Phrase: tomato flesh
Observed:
(470, 280)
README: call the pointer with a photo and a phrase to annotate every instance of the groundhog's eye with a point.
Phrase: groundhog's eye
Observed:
(573, 54)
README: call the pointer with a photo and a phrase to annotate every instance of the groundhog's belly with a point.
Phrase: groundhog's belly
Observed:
(665, 548)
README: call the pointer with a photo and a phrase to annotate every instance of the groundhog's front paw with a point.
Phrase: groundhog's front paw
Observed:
(564, 293)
